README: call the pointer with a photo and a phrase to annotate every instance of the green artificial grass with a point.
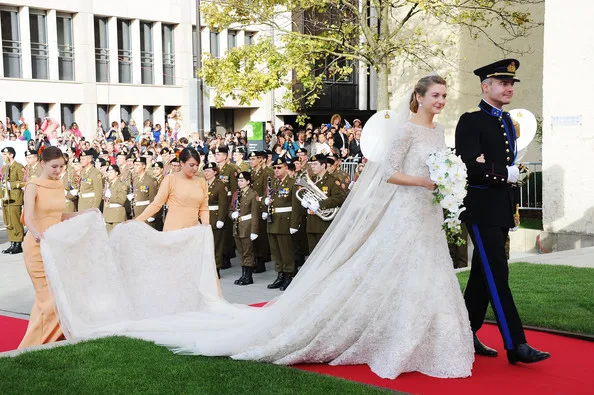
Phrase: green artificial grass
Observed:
(556, 297)
(121, 365)
(531, 223)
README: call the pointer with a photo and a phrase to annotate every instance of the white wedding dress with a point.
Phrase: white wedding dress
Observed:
(379, 290)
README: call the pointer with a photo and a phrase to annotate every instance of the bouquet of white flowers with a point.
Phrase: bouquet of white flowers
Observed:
(449, 173)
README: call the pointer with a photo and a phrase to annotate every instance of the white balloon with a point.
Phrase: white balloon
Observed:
(528, 125)
(377, 134)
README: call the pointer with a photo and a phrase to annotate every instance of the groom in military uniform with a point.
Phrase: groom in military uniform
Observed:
(486, 142)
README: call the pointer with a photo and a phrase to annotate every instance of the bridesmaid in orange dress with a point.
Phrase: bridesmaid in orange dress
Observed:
(44, 206)
(185, 194)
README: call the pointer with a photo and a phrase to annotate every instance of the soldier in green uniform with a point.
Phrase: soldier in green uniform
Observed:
(33, 168)
(13, 176)
(114, 199)
(303, 166)
(158, 168)
(335, 196)
(90, 191)
(282, 211)
(244, 213)
(145, 188)
(228, 175)
(302, 169)
(238, 156)
(259, 183)
(335, 170)
(218, 206)
(68, 180)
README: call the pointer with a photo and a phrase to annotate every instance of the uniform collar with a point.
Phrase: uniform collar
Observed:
(489, 109)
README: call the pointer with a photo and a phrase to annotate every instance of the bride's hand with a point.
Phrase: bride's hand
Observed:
(428, 183)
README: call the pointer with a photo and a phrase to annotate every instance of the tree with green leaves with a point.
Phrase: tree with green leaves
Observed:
(307, 43)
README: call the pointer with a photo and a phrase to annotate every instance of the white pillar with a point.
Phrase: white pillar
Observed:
(135, 37)
(84, 47)
(158, 52)
(3, 110)
(137, 117)
(362, 80)
(112, 31)
(29, 114)
(52, 40)
(114, 114)
(159, 117)
(25, 43)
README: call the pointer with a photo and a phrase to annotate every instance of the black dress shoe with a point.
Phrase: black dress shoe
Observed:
(526, 354)
(18, 249)
(7, 251)
(260, 265)
(236, 282)
(286, 283)
(280, 279)
(481, 349)
(247, 279)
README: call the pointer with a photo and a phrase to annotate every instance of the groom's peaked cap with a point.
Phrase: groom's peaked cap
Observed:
(502, 70)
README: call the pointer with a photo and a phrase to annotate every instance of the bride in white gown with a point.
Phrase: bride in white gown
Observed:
(379, 289)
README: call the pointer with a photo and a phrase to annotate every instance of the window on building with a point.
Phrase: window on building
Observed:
(41, 111)
(103, 116)
(126, 113)
(65, 47)
(147, 113)
(214, 44)
(11, 43)
(101, 50)
(231, 39)
(146, 52)
(39, 46)
(124, 51)
(67, 112)
(168, 54)
(13, 111)
(249, 38)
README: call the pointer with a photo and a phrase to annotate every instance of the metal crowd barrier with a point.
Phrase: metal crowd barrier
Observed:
(349, 167)
(530, 193)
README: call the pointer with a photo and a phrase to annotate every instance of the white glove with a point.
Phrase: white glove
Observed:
(513, 173)
(267, 202)
(151, 219)
(108, 194)
(314, 205)
(220, 224)
(264, 215)
(293, 231)
(305, 203)
(65, 192)
(513, 229)
(235, 214)
(130, 196)
(7, 184)
(253, 236)
(74, 192)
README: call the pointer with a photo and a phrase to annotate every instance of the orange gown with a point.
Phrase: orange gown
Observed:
(186, 199)
(44, 326)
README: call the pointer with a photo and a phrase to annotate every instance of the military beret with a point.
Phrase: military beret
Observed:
(158, 164)
(8, 150)
(165, 151)
(245, 175)
(122, 153)
(268, 152)
(502, 70)
(104, 152)
(291, 166)
(85, 154)
(30, 152)
(222, 150)
(253, 154)
(174, 160)
(319, 158)
(100, 162)
(115, 168)
(330, 160)
(240, 150)
(279, 161)
(210, 166)
(302, 151)
(140, 159)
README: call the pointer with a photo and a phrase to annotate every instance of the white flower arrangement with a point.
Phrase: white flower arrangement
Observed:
(449, 174)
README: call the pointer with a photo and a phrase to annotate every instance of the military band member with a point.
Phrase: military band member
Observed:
(303, 166)
(218, 206)
(335, 196)
(334, 169)
(158, 175)
(90, 191)
(238, 156)
(259, 183)
(68, 177)
(244, 213)
(145, 188)
(283, 209)
(174, 166)
(228, 175)
(486, 142)
(33, 168)
(114, 199)
(13, 176)
(121, 161)
(165, 154)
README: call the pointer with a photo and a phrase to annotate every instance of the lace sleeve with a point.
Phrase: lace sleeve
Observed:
(400, 147)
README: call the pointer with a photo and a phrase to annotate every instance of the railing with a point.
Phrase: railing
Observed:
(66, 62)
(168, 69)
(12, 58)
(125, 66)
(102, 64)
(350, 167)
(146, 64)
(39, 58)
(530, 193)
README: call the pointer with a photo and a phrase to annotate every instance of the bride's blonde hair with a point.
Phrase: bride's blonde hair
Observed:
(422, 87)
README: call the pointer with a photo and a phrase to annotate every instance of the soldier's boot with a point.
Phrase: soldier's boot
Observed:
(286, 282)
(9, 249)
(260, 265)
(18, 249)
(226, 262)
(280, 279)
(247, 280)
(236, 282)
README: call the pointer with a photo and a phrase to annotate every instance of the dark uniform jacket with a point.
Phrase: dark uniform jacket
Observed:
(331, 186)
(490, 198)
(259, 181)
(286, 208)
(248, 220)
(218, 202)
(228, 175)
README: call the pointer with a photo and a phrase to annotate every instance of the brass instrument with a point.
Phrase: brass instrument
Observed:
(310, 191)
(269, 193)
(237, 207)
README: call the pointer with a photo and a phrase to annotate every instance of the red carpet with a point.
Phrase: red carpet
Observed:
(569, 371)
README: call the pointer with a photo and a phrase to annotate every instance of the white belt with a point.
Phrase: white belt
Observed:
(212, 208)
(282, 210)
(245, 217)
(114, 205)
(142, 203)
(229, 193)
(87, 195)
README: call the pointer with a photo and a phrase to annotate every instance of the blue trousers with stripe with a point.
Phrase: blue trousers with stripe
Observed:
(488, 282)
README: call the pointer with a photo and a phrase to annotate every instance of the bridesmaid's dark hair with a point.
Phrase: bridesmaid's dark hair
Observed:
(51, 153)
(422, 87)
(188, 153)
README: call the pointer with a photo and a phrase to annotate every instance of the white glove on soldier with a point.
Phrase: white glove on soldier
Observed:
(108, 194)
(235, 214)
(130, 196)
(151, 219)
(305, 203)
(253, 236)
(220, 224)
(513, 173)
(314, 205)
(267, 201)
(264, 215)
(7, 184)
(74, 192)
(292, 231)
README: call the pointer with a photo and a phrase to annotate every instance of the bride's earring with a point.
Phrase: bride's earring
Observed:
(420, 104)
